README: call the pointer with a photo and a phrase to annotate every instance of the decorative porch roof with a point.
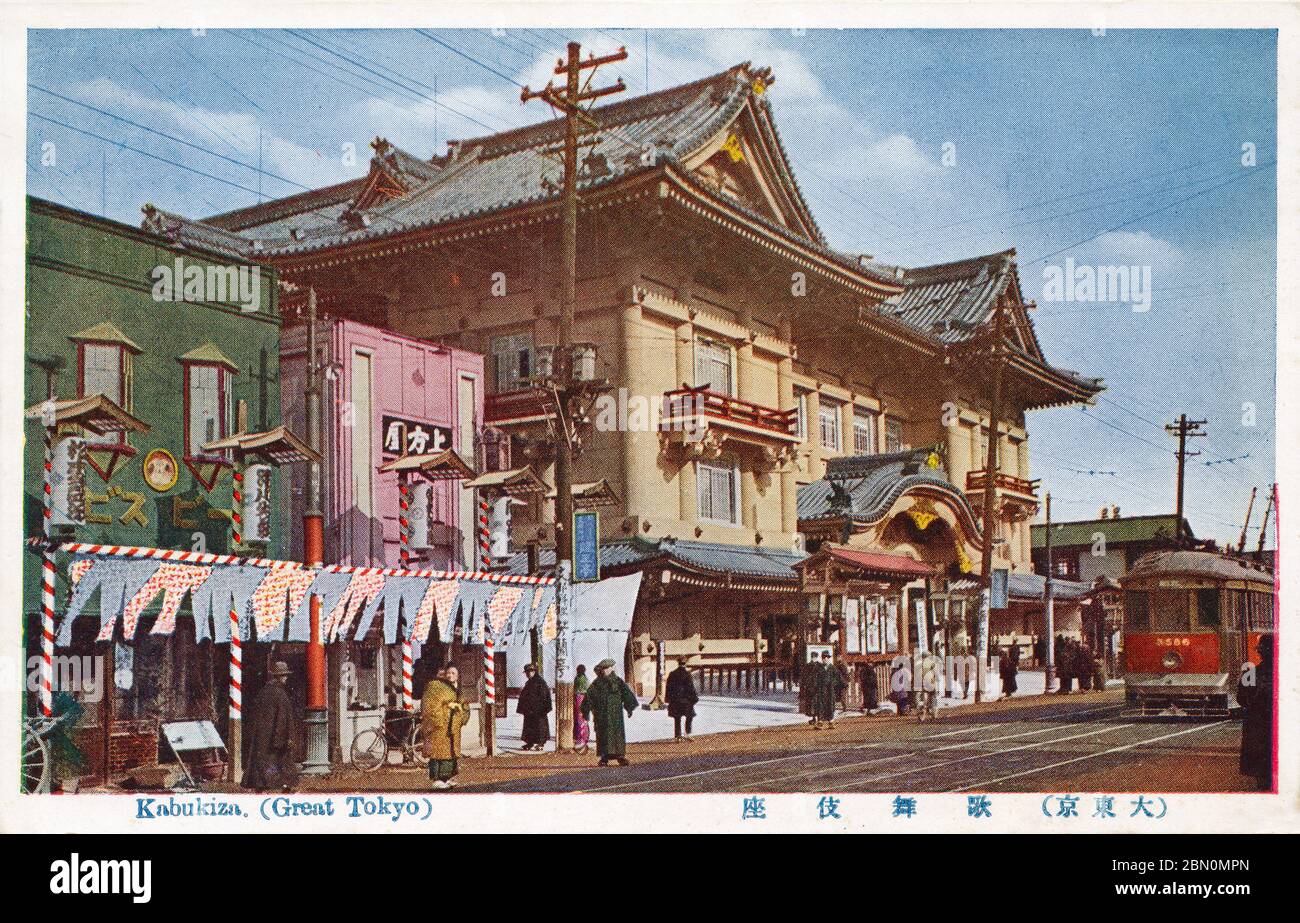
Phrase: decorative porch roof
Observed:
(865, 487)
(279, 444)
(95, 412)
(515, 482)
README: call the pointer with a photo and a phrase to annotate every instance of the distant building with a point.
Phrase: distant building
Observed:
(1087, 549)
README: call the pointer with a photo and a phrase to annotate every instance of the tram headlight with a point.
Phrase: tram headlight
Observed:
(1172, 660)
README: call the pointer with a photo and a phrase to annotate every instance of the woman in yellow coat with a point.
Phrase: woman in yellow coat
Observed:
(443, 715)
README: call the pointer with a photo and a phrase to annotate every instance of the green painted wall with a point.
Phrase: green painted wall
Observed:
(83, 270)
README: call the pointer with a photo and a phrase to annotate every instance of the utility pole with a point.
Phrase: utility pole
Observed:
(1049, 609)
(1250, 505)
(1184, 429)
(1263, 529)
(990, 503)
(569, 101)
(313, 528)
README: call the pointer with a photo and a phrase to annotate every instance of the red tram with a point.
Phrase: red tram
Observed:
(1191, 621)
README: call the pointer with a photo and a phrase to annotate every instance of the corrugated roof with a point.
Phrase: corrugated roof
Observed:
(878, 562)
(1115, 531)
(1194, 563)
(1028, 587)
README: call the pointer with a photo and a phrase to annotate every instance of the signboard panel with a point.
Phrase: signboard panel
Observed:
(413, 437)
(999, 598)
(586, 546)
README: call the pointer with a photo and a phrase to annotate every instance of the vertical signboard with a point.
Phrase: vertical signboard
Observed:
(586, 546)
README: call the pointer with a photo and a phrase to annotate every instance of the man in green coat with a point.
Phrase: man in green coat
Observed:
(606, 699)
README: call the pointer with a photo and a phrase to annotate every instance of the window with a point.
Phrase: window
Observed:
(713, 366)
(105, 368)
(717, 487)
(893, 435)
(1207, 608)
(864, 432)
(1169, 610)
(828, 422)
(512, 357)
(1137, 615)
(207, 410)
(801, 414)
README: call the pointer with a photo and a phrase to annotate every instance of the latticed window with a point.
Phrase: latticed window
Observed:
(828, 422)
(893, 435)
(512, 358)
(206, 411)
(717, 489)
(713, 366)
(864, 432)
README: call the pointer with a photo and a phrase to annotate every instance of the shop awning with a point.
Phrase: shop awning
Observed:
(512, 483)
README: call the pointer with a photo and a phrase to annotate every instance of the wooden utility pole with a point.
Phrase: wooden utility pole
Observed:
(1250, 505)
(990, 501)
(1049, 608)
(1263, 529)
(569, 101)
(1184, 429)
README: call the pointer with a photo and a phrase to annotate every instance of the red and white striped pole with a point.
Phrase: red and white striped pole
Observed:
(236, 698)
(489, 660)
(236, 506)
(404, 549)
(484, 534)
(47, 585)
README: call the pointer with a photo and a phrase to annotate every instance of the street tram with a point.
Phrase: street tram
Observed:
(1192, 619)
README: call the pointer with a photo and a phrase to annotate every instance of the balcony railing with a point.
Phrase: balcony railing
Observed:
(517, 406)
(978, 480)
(686, 402)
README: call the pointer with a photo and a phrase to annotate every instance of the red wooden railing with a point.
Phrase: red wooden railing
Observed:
(687, 401)
(977, 480)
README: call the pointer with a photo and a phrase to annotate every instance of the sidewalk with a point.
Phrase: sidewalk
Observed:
(715, 713)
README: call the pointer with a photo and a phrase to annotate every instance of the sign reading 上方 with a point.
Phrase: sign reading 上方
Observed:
(411, 437)
(586, 546)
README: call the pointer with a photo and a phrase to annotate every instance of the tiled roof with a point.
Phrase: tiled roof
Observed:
(866, 486)
(877, 562)
(1116, 531)
(738, 560)
(1027, 587)
(950, 301)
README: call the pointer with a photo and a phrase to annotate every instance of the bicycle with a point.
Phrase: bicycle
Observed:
(370, 748)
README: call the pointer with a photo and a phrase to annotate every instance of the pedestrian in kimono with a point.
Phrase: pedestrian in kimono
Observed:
(606, 700)
(535, 704)
(1065, 664)
(681, 700)
(826, 690)
(443, 715)
(581, 729)
(1009, 668)
(1256, 701)
(270, 737)
(807, 684)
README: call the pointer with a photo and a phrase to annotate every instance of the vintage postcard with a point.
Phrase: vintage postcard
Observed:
(819, 418)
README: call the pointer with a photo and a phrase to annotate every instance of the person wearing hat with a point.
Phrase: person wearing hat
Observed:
(270, 735)
(682, 697)
(535, 704)
(827, 685)
(606, 700)
(443, 715)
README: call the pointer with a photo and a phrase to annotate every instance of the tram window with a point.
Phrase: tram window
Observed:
(1169, 610)
(1261, 612)
(1207, 608)
(1136, 615)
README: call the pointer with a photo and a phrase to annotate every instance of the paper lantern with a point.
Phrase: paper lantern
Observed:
(418, 515)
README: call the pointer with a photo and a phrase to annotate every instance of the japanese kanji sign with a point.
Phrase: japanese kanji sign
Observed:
(411, 437)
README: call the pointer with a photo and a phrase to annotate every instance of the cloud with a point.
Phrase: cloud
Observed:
(231, 134)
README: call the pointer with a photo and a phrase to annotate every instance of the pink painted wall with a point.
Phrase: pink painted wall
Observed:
(413, 379)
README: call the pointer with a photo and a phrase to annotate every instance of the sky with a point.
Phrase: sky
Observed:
(1146, 149)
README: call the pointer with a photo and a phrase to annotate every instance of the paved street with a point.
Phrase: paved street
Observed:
(1079, 743)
